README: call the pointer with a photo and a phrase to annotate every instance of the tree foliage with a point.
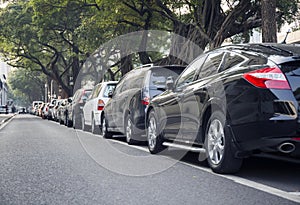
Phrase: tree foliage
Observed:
(27, 85)
(56, 37)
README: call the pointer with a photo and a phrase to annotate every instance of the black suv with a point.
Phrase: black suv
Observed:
(229, 103)
(124, 113)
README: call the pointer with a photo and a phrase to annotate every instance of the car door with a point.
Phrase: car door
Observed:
(197, 93)
(172, 104)
(87, 109)
(110, 108)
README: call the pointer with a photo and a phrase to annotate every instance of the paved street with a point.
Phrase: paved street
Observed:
(42, 162)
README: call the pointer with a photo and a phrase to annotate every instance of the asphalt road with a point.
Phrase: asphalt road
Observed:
(42, 162)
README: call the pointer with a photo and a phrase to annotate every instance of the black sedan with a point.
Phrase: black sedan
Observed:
(230, 103)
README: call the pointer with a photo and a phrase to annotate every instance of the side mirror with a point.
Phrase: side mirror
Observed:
(110, 94)
(170, 83)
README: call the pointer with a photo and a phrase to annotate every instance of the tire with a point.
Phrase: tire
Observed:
(77, 122)
(104, 132)
(69, 122)
(95, 128)
(220, 150)
(154, 136)
(60, 121)
(66, 120)
(83, 125)
(129, 131)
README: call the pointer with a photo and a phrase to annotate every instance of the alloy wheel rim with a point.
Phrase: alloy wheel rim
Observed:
(128, 130)
(215, 141)
(152, 133)
(103, 126)
(82, 123)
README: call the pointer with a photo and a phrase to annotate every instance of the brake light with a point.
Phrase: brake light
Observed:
(296, 138)
(101, 104)
(146, 101)
(271, 78)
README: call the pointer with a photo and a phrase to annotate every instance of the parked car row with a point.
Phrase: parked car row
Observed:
(63, 110)
(229, 103)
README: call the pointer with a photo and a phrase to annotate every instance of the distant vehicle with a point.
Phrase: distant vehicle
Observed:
(45, 111)
(95, 104)
(51, 109)
(22, 110)
(3, 109)
(40, 109)
(62, 111)
(124, 113)
(54, 110)
(230, 103)
(35, 104)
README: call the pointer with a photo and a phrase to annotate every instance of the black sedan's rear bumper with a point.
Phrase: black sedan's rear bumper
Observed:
(267, 137)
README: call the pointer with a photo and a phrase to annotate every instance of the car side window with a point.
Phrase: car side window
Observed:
(109, 88)
(97, 91)
(211, 65)
(137, 81)
(189, 73)
(119, 86)
(231, 60)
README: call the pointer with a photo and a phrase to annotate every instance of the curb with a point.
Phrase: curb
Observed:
(7, 119)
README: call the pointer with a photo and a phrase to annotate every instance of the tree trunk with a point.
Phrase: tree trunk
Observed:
(269, 30)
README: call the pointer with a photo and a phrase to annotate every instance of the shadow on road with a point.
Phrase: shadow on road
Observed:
(265, 169)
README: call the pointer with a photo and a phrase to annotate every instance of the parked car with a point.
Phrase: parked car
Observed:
(55, 111)
(3, 109)
(40, 109)
(22, 110)
(62, 110)
(45, 110)
(75, 107)
(51, 109)
(35, 105)
(95, 104)
(124, 113)
(231, 102)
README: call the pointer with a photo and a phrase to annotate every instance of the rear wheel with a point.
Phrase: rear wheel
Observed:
(69, 122)
(219, 147)
(76, 122)
(105, 133)
(95, 128)
(130, 133)
(154, 137)
(83, 125)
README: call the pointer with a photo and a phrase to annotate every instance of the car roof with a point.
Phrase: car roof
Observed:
(266, 48)
(108, 82)
(151, 66)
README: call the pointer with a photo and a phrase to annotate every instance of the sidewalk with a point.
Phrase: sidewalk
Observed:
(5, 117)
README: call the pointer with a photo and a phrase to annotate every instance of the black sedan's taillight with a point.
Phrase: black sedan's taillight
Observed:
(270, 77)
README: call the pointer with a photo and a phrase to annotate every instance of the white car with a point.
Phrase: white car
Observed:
(95, 104)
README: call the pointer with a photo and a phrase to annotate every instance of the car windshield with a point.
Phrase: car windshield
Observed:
(159, 77)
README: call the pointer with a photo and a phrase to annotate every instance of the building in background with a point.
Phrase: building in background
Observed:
(4, 70)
